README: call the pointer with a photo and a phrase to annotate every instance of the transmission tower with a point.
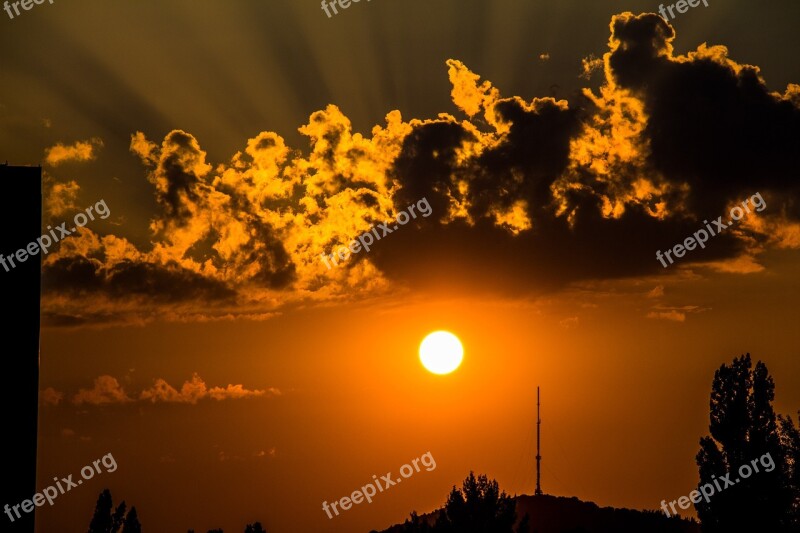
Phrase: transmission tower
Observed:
(538, 452)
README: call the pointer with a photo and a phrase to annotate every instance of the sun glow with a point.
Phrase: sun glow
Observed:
(441, 352)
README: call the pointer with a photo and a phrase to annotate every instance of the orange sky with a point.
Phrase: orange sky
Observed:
(624, 400)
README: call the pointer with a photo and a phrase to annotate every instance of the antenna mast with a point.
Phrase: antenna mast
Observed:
(538, 454)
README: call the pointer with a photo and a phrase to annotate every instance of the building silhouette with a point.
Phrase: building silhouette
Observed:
(20, 224)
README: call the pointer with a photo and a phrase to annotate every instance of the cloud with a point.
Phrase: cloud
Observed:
(262, 453)
(80, 151)
(167, 282)
(470, 97)
(590, 65)
(235, 392)
(527, 194)
(569, 323)
(106, 390)
(656, 292)
(68, 433)
(224, 456)
(194, 390)
(675, 314)
(597, 186)
(59, 197)
(51, 396)
(162, 391)
(712, 124)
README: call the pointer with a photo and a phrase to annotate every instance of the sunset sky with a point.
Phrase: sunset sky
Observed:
(197, 335)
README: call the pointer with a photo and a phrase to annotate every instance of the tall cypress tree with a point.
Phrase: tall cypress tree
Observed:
(790, 440)
(132, 522)
(102, 520)
(118, 518)
(744, 428)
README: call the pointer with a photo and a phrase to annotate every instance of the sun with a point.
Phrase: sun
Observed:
(441, 352)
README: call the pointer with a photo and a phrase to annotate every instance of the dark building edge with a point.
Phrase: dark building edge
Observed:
(20, 224)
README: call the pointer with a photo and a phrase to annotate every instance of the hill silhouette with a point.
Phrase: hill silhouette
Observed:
(558, 514)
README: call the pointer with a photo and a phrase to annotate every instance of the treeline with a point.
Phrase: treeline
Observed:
(108, 520)
(743, 429)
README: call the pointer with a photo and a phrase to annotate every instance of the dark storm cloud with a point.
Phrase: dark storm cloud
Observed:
(711, 131)
(712, 123)
(168, 283)
(525, 195)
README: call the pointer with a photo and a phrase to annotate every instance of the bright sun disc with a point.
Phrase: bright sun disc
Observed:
(441, 352)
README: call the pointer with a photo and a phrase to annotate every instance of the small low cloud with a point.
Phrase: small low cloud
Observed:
(657, 292)
(80, 152)
(161, 391)
(675, 314)
(590, 65)
(51, 396)
(224, 456)
(195, 389)
(235, 392)
(569, 323)
(106, 390)
(69, 433)
(266, 453)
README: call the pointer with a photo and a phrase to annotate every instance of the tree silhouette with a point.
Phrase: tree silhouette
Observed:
(744, 429)
(132, 522)
(104, 522)
(524, 524)
(415, 524)
(478, 507)
(790, 440)
(118, 518)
